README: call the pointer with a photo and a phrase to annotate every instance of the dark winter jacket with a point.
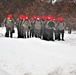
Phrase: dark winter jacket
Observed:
(18, 22)
(60, 26)
(25, 24)
(9, 22)
(38, 24)
(32, 24)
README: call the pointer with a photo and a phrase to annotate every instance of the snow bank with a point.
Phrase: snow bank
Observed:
(3, 30)
(66, 70)
(2, 72)
(38, 57)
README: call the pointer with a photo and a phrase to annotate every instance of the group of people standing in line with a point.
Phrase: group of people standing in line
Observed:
(43, 27)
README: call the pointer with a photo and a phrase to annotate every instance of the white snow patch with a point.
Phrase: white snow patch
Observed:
(37, 57)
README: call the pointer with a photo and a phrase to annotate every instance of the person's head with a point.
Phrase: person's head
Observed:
(60, 19)
(9, 16)
(54, 18)
(21, 16)
(31, 18)
(35, 17)
(43, 17)
(38, 17)
(49, 17)
(26, 18)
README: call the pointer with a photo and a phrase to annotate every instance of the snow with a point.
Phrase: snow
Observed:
(2, 72)
(37, 57)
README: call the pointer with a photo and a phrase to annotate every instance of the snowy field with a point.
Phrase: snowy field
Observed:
(37, 57)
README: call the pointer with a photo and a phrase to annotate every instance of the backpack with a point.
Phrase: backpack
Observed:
(51, 24)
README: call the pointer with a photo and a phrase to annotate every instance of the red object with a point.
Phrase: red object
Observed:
(21, 16)
(9, 16)
(57, 19)
(26, 18)
(54, 18)
(31, 18)
(60, 19)
(38, 17)
(35, 17)
(50, 17)
(43, 17)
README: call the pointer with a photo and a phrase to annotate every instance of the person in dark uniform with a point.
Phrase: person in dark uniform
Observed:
(9, 24)
(49, 29)
(25, 27)
(43, 22)
(60, 27)
(18, 25)
(38, 26)
(32, 22)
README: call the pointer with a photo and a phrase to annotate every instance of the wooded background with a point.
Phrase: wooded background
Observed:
(65, 8)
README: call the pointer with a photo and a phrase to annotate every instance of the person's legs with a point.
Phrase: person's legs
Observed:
(62, 35)
(56, 34)
(36, 33)
(11, 31)
(11, 34)
(27, 33)
(32, 32)
(59, 35)
(39, 33)
(18, 33)
(7, 32)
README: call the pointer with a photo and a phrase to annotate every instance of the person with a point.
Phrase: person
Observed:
(9, 24)
(48, 35)
(25, 27)
(32, 21)
(55, 29)
(43, 22)
(37, 29)
(60, 27)
(18, 25)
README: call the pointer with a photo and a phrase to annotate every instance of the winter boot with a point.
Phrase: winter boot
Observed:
(6, 34)
(11, 35)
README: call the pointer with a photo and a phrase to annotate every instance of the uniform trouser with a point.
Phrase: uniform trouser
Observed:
(37, 33)
(32, 32)
(42, 31)
(9, 29)
(26, 33)
(60, 33)
(56, 34)
(19, 31)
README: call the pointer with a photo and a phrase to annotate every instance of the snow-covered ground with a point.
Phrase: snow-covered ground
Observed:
(37, 57)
